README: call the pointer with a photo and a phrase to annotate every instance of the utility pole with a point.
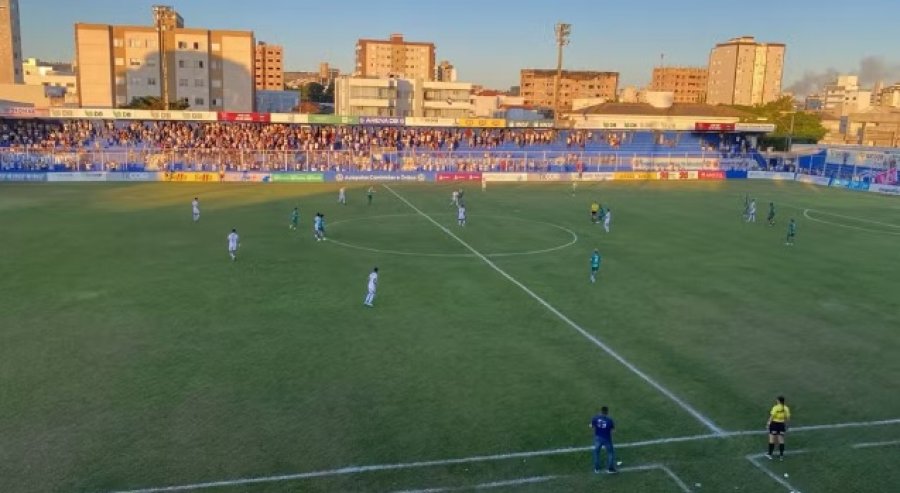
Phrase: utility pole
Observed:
(159, 13)
(563, 31)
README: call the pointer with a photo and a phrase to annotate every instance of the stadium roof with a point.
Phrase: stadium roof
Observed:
(677, 109)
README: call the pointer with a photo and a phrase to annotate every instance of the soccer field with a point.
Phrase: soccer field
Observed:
(134, 355)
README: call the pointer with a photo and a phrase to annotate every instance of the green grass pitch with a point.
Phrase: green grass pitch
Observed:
(134, 354)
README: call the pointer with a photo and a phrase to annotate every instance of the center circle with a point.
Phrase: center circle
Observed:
(572, 237)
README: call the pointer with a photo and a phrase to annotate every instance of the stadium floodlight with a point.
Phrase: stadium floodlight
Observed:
(563, 31)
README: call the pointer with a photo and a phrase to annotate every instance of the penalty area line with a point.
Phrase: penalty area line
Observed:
(707, 422)
(350, 470)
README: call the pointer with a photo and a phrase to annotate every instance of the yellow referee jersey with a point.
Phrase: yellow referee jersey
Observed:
(780, 413)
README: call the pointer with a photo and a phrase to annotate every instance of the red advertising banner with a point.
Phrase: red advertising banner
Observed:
(712, 174)
(228, 116)
(713, 127)
(459, 177)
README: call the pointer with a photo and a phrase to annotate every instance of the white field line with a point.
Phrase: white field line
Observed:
(876, 444)
(755, 460)
(543, 479)
(708, 423)
(344, 471)
(847, 226)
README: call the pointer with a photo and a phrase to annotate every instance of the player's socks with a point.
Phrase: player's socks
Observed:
(781, 449)
(771, 450)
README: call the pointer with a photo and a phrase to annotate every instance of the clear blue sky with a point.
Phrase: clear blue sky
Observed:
(490, 40)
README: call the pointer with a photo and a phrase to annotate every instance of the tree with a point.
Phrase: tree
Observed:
(155, 103)
(807, 126)
(317, 93)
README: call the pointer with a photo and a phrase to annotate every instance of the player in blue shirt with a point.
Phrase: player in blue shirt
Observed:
(603, 427)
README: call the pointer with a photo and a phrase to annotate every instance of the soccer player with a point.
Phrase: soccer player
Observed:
(771, 216)
(234, 241)
(295, 218)
(459, 198)
(370, 193)
(792, 231)
(373, 284)
(454, 198)
(607, 217)
(317, 225)
(603, 427)
(483, 185)
(595, 209)
(751, 212)
(195, 207)
(461, 215)
(777, 425)
(595, 265)
(342, 196)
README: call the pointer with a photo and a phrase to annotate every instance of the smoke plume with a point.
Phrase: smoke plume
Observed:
(871, 70)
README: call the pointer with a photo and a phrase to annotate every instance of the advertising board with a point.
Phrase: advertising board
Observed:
(333, 120)
(815, 180)
(713, 127)
(481, 122)
(678, 175)
(132, 176)
(22, 176)
(298, 177)
(550, 176)
(508, 177)
(430, 122)
(886, 189)
(769, 175)
(382, 120)
(459, 176)
(77, 176)
(247, 177)
(231, 116)
(192, 176)
(711, 174)
(529, 123)
(634, 175)
(380, 176)
(594, 176)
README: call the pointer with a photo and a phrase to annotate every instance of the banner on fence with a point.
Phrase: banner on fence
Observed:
(124, 114)
(711, 174)
(481, 122)
(550, 176)
(22, 176)
(333, 120)
(298, 177)
(678, 175)
(769, 175)
(529, 123)
(505, 176)
(380, 176)
(634, 175)
(192, 176)
(77, 176)
(815, 180)
(132, 176)
(23, 112)
(887, 189)
(459, 176)
(430, 122)
(231, 116)
(382, 120)
(247, 177)
(594, 176)
(289, 118)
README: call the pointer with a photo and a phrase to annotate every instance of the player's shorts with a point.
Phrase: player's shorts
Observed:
(595, 269)
(776, 428)
(371, 290)
(232, 249)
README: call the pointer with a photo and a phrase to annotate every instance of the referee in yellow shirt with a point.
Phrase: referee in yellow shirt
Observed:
(777, 424)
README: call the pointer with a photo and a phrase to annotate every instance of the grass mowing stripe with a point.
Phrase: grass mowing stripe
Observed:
(707, 422)
(486, 458)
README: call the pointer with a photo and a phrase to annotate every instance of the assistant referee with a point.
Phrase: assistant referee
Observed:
(777, 425)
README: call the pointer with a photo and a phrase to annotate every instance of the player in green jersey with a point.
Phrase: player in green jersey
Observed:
(771, 216)
(792, 232)
(595, 265)
(295, 218)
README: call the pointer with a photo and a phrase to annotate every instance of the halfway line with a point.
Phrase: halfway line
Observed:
(602, 345)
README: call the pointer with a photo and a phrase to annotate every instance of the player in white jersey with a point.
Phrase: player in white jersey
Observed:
(751, 212)
(461, 215)
(454, 198)
(317, 226)
(342, 196)
(195, 207)
(234, 241)
(606, 219)
(373, 284)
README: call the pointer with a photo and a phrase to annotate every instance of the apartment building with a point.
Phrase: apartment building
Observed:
(394, 57)
(688, 84)
(537, 87)
(269, 67)
(211, 70)
(395, 97)
(744, 72)
(52, 75)
(10, 43)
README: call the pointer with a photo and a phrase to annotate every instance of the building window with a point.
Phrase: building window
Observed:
(199, 83)
(120, 100)
(118, 43)
(150, 62)
(196, 46)
(199, 101)
(134, 62)
(181, 64)
(216, 83)
(200, 64)
(214, 65)
(214, 102)
(120, 62)
(182, 45)
(135, 81)
(120, 81)
(182, 82)
(216, 47)
(151, 81)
